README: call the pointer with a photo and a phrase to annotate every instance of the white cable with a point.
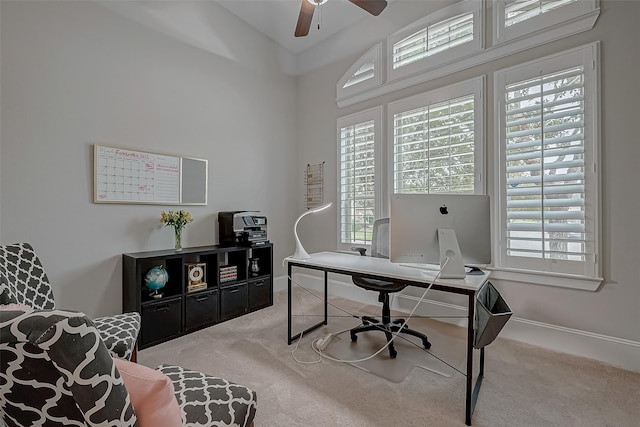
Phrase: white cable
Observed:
(331, 335)
(293, 352)
(394, 335)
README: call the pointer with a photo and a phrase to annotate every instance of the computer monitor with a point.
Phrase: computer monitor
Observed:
(434, 228)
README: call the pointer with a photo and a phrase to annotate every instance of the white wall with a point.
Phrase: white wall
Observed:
(75, 73)
(614, 310)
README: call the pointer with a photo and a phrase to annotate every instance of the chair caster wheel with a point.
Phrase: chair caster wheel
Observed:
(393, 354)
(354, 337)
(427, 345)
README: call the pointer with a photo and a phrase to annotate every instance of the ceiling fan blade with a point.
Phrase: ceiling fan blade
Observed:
(374, 7)
(304, 19)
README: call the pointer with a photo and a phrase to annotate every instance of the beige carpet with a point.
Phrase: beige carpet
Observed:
(523, 386)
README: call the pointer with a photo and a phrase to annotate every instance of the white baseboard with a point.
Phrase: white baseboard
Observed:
(611, 350)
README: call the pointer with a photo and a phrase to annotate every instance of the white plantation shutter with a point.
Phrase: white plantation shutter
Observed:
(548, 180)
(365, 72)
(516, 11)
(357, 180)
(521, 18)
(437, 141)
(433, 39)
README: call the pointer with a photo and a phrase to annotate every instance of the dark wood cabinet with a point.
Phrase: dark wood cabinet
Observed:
(238, 280)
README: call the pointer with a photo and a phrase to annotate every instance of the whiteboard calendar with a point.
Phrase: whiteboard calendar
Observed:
(128, 176)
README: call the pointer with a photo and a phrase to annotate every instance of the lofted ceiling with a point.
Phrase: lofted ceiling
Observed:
(344, 27)
(277, 19)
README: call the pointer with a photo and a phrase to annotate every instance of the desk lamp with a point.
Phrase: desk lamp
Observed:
(300, 252)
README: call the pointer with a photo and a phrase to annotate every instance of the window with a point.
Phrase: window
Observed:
(518, 18)
(437, 141)
(520, 10)
(359, 175)
(433, 39)
(363, 74)
(451, 39)
(547, 156)
(451, 33)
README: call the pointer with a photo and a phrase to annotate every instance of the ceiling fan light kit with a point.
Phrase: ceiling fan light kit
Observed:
(307, 8)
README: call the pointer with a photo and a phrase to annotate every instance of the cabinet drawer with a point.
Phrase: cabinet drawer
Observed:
(161, 320)
(233, 301)
(260, 293)
(201, 309)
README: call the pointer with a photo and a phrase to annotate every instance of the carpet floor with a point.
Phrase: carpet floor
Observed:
(523, 385)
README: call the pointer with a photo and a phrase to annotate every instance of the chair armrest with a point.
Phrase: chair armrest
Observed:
(208, 400)
(119, 333)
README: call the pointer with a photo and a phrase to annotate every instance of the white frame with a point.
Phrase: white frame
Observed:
(589, 276)
(560, 17)
(374, 114)
(473, 86)
(450, 55)
(374, 54)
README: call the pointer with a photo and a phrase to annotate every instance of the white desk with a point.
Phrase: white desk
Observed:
(383, 269)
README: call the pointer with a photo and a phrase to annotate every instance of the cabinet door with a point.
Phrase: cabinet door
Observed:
(233, 301)
(201, 309)
(161, 320)
(260, 293)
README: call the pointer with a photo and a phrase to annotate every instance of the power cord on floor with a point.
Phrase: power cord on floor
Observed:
(320, 344)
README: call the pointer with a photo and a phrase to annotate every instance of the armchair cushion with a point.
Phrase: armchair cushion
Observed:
(152, 395)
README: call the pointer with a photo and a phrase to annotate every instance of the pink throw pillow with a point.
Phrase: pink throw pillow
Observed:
(15, 307)
(152, 395)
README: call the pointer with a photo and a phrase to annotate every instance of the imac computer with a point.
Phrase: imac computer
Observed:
(452, 230)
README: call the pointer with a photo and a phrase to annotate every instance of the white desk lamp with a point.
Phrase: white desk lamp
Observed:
(300, 252)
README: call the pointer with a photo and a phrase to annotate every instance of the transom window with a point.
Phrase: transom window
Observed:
(433, 39)
(516, 11)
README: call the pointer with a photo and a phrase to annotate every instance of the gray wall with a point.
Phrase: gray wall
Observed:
(76, 73)
(612, 311)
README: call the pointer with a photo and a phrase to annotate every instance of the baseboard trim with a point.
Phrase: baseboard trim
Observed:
(611, 350)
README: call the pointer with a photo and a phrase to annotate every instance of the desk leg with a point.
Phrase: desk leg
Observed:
(289, 339)
(326, 297)
(468, 402)
(472, 391)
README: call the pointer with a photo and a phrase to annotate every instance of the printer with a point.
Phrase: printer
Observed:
(242, 228)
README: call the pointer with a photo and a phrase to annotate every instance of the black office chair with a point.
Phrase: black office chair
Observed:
(380, 249)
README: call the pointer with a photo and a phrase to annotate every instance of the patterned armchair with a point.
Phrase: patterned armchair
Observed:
(56, 371)
(24, 281)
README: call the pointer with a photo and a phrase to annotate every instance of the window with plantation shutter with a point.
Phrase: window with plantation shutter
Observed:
(363, 74)
(448, 34)
(358, 137)
(437, 141)
(520, 10)
(433, 39)
(517, 18)
(547, 182)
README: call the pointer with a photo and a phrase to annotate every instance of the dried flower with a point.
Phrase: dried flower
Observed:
(176, 219)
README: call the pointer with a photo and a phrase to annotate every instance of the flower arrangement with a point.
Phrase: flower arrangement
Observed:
(178, 220)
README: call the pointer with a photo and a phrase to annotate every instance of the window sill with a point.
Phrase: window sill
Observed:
(582, 283)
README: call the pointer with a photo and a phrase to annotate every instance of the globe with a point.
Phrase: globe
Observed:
(155, 279)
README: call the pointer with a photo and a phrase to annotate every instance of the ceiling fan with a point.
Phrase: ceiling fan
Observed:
(374, 7)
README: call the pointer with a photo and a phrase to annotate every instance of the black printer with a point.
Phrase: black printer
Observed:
(242, 228)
